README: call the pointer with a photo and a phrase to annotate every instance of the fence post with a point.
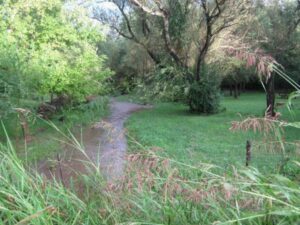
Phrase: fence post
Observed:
(248, 152)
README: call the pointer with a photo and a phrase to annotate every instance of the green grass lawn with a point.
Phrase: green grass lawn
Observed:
(201, 138)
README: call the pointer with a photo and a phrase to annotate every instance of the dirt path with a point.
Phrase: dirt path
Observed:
(104, 145)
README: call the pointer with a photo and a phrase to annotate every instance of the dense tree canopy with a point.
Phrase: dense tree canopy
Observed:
(48, 48)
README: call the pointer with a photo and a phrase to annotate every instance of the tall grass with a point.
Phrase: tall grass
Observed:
(44, 142)
(67, 118)
(154, 190)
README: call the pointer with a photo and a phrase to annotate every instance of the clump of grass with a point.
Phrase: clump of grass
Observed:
(29, 199)
(84, 114)
(154, 190)
(158, 190)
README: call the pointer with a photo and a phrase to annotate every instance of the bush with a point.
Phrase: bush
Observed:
(165, 83)
(61, 58)
(204, 96)
(123, 83)
(175, 84)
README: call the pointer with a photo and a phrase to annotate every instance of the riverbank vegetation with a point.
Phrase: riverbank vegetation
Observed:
(50, 68)
(156, 191)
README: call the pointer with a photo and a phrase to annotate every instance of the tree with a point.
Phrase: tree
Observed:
(276, 27)
(127, 26)
(234, 73)
(182, 31)
(214, 16)
(129, 62)
(56, 50)
(269, 41)
(10, 84)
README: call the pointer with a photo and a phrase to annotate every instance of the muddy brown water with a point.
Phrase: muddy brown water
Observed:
(103, 146)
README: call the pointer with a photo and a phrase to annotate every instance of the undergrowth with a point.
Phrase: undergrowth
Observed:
(75, 118)
(154, 190)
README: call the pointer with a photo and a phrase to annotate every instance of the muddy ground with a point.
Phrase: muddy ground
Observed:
(103, 145)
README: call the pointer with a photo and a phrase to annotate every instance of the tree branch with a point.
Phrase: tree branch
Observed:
(164, 14)
(130, 35)
(146, 9)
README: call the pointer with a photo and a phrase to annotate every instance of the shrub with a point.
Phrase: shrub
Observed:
(165, 83)
(175, 84)
(204, 96)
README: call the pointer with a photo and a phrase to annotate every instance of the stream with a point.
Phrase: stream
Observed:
(104, 146)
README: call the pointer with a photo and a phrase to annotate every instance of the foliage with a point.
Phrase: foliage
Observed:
(165, 84)
(45, 143)
(76, 74)
(191, 33)
(128, 62)
(86, 113)
(156, 190)
(10, 83)
(276, 25)
(232, 70)
(172, 33)
(46, 49)
(204, 96)
(178, 22)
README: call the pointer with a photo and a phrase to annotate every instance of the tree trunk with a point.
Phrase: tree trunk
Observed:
(239, 89)
(203, 51)
(200, 60)
(198, 69)
(230, 90)
(270, 88)
(51, 97)
(155, 58)
(235, 90)
(244, 87)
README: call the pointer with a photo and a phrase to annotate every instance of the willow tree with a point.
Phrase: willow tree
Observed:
(183, 30)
